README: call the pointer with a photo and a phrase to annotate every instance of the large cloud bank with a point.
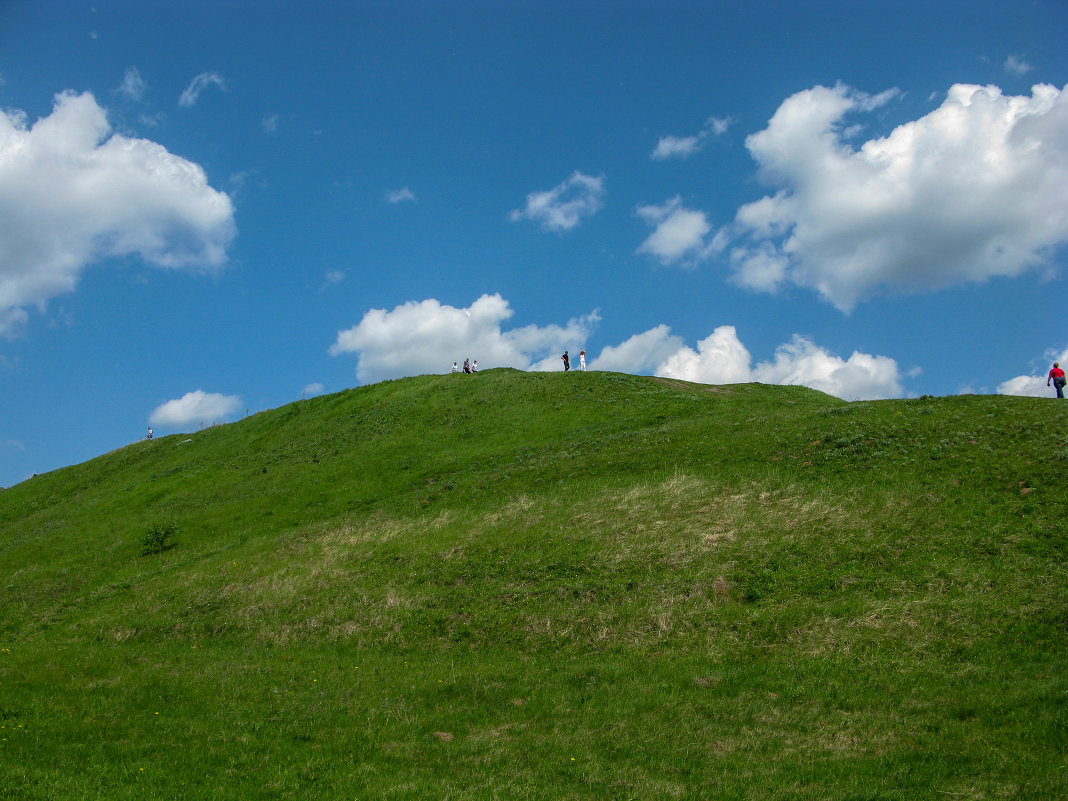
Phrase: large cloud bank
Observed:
(977, 188)
(70, 195)
(427, 337)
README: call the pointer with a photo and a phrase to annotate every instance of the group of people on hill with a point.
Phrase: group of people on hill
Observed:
(472, 366)
(567, 361)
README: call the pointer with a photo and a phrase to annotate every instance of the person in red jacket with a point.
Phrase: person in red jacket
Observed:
(1056, 375)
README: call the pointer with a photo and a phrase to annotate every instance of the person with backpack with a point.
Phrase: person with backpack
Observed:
(1056, 375)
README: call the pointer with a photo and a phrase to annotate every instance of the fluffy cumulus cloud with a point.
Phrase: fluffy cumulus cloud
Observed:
(71, 195)
(1035, 385)
(640, 353)
(680, 235)
(428, 336)
(721, 358)
(564, 206)
(976, 188)
(195, 408)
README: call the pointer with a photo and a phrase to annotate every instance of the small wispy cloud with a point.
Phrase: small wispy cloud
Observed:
(133, 86)
(199, 84)
(1017, 66)
(676, 147)
(404, 195)
(565, 205)
(332, 278)
(682, 147)
(270, 124)
(312, 390)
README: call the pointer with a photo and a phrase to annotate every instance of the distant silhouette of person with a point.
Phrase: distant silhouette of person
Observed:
(1056, 375)
(474, 366)
(467, 365)
(567, 361)
(455, 367)
(582, 360)
(149, 434)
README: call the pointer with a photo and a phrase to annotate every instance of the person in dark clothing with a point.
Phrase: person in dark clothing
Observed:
(567, 361)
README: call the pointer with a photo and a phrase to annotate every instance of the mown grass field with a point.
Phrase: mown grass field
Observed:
(580, 586)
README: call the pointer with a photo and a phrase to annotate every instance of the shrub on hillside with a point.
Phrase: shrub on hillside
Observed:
(159, 537)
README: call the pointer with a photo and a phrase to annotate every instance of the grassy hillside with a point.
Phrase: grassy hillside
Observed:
(580, 586)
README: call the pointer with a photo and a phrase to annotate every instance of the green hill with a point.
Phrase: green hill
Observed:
(566, 586)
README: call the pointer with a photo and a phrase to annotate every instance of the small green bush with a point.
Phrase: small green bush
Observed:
(158, 538)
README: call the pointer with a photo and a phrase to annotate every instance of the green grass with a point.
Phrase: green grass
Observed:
(581, 586)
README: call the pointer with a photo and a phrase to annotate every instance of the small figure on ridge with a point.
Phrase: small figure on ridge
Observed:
(1056, 375)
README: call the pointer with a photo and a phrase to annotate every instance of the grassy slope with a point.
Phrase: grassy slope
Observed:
(545, 585)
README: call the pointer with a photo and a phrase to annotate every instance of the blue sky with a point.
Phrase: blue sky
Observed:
(208, 209)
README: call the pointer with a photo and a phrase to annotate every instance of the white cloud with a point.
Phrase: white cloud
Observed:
(427, 337)
(639, 353)
(718, 126)
(1035, 385)
(333, 278)
(676, 147)
(1032, 386)
(71, 195)
(201, 82)
(721, 358)
(133, 86)
(313, 389)
(195, 407)
(1017, 66)
(564, 206)
(404, 195)
(683, 147)
(270, 124)
(977, 188)
(861, 376)
(680, 234)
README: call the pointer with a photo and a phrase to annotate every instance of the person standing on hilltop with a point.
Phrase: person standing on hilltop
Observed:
(582, 360)
(1056, 375)
(467, 366)
(567, 361)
